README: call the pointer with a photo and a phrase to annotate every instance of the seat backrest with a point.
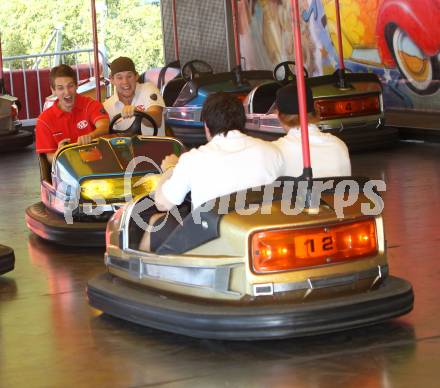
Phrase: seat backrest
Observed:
(45, 168)
(172, 89)
(263, 97)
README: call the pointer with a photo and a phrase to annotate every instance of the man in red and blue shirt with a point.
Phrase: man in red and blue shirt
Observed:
(71, 119)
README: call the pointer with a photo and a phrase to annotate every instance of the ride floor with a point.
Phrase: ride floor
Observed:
(50, 337)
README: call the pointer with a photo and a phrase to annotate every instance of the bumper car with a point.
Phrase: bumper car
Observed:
(352, 111)
(7, 259)
(278, 261)
(12, 136)
(237, 274)
(86, 184)
(184, 96)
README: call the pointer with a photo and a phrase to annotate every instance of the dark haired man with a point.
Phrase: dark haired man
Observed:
(231, 161)
(130, 96)
(72, 118)
(329, 154)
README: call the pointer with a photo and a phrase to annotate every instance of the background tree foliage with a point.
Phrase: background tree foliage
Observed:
(126, 27)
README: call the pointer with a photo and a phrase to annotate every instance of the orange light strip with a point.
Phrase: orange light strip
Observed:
(91, 154)
(284, 250)
(348, 107)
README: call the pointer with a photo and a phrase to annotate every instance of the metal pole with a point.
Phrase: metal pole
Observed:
(2, 81)
(343, 83)
(95, 52)
(236, 38)
(1, 58)
(49, 42)
(299, 67)
(237, 69)
(176, 39)
(26, 95)
(58, 44)
(338, 27)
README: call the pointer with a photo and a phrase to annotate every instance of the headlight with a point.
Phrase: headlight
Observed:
(117, 188)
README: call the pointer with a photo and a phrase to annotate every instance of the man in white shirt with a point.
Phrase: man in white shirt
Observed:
(130, 96)
(328, 154)
(231, 161)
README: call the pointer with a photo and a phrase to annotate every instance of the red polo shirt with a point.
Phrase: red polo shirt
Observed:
(54, 125)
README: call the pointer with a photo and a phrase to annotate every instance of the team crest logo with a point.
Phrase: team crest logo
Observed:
(82, 124)
(140, 107)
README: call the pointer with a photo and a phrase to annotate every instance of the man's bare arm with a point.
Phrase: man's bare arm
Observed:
(167, 167)
(161, 202)
(100, 130)
(50, 155)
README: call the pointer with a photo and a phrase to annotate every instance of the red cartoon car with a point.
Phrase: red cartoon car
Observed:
(392, 33)
(408, 33)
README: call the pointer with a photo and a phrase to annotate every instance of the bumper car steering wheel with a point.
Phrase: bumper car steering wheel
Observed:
(136, 127)
(285, 71)
(196, 69)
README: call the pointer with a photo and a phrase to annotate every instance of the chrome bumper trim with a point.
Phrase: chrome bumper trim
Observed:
(323, 282)
(215, 278)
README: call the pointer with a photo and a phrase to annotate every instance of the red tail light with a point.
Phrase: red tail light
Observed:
(348, 107)
(284, 250)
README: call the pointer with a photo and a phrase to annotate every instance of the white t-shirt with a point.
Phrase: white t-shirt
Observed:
(328, 154)
(224, 165)
(146, 95)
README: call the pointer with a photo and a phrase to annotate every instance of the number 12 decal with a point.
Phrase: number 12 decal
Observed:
(326, 244)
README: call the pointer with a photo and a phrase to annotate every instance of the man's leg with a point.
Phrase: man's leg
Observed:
(165, 224)
(155, 219)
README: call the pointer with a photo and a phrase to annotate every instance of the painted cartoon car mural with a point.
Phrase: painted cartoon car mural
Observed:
(393, 34)
(397, 40)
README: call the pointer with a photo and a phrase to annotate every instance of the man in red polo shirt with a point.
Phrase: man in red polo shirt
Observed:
(71, 119)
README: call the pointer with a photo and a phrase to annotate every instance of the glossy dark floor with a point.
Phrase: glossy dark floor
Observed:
(49, 337)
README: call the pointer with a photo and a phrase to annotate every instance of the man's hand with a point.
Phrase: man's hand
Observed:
(128, 111)
(84, 139)
(63, 142)
(168, 162)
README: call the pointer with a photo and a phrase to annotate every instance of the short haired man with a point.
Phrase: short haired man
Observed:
(329, 154)
(72, 118)
(130, 96)
(231, 161)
